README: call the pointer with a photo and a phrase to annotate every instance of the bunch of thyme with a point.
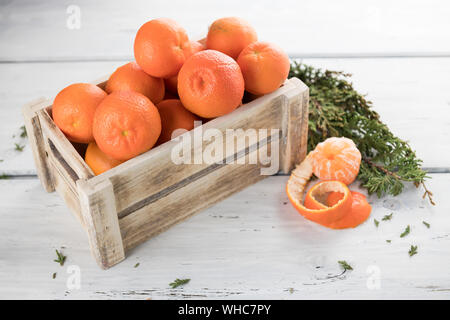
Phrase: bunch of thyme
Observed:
(336, 109)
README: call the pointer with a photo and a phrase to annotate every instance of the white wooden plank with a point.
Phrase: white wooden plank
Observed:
(252, 245)
(38, 30)
(411, 94)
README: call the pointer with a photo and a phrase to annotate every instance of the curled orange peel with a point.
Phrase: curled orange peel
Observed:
(313, 209)
(343, 208)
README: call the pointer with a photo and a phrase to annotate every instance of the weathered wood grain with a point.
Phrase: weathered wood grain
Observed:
(308, 28)
(99, 212)
(251, 245)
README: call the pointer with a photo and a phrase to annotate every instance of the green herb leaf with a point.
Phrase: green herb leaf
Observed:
(345, 265)
(19, 147)
(388, 241)
(23, 132)
(60, 258)
(387, 217)
(336, 109)
(406, 232)
(376, 222)
(54, 275)
(426, 224)
(412, 251)
(137, 265)
(178, 282)
(4, 177)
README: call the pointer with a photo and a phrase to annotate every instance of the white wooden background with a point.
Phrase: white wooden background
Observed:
(254, 244)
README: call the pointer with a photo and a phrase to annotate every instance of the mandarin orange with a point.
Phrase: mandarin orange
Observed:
(97, 160)
(230, 35)
(264, 66)
(130, 77)
(336, 159)
(174, 116)
(126, 124)
(161, 47)
(74, 108)
(210, 84)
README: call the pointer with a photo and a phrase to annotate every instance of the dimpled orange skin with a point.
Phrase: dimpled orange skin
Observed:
(230, 35)
(97, 160)
(130, 77)
(126, 124)
(210, 84)
(172, 82)
(161, 47)
(174, 116)
(74, 108)
(264, 66)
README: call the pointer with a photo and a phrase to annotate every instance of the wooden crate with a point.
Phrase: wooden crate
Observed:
(146, 195)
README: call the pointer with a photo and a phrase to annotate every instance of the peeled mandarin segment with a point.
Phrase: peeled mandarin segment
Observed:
(320, 213)
(336, 159)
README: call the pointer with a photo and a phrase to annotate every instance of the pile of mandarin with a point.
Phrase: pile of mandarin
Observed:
(173, 82)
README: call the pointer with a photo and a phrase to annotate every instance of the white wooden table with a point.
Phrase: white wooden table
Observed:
(254, 244)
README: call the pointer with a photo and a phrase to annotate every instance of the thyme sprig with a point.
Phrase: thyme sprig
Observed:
(60, 258)
(336, 109)
(178, 282)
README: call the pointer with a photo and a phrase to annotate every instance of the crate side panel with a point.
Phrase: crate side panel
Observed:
(192, 198)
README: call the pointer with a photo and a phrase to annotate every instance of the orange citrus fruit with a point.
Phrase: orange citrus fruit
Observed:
(264, 66)
(126, 124)
(172, 82)
(97, 160)
(230, 36)
(130, 77)
(74, 108)
(312, 209)
(161, 47)
(336, 159)
(174, 116)
(210, 84)
(195, 46)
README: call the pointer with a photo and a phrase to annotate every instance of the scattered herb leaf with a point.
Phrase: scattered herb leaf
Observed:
(412, 251)
(178, 282)
(23, 132)
(345, 265)
(19, 147)
(336, 109)
(387, 217)
(376, 222)
(4, 177)
(60, 258)
(426, 224)
(406, 232)
(54, 275)
(388, 241)
(137, 265)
